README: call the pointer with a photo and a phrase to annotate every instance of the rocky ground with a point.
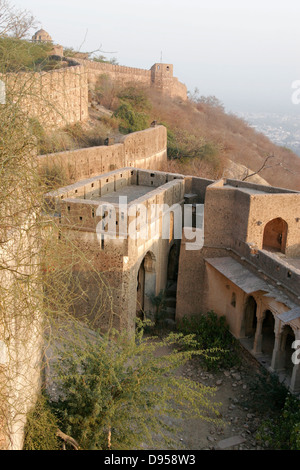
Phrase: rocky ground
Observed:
(233, 391)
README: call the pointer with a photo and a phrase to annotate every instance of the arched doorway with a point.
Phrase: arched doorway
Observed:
(250, 319)
(146, 286)
(275, 235)
(288, 337)
(140, 291)
(173, 264)
(268, 334)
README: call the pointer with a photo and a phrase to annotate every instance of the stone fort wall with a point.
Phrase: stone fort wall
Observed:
(160, 76)
(56, 98)
(60, 97)
(144, 149)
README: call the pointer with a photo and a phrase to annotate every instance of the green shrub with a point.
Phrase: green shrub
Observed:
(185, 145)
(283, 432)
(116, 393)
(20, 55)
(279, 410)
(136, 97)
(131, 120)
(271, 392)
(41, 428)
(212, 333)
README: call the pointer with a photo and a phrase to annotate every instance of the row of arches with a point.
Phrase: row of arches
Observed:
(261, 332)
(146, 279)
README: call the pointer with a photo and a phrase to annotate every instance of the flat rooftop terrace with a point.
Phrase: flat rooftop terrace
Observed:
(131, 192)
(130, 183)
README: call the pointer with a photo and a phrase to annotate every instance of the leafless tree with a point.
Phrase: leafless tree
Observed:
(264, 166)
(15, 22)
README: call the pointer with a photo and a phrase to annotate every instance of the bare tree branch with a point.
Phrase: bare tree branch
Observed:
(14, 22)
(263, 167)
(67, 439)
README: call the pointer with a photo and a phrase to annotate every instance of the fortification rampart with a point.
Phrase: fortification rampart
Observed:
(144, 149)
(55, 98)
(160, 76)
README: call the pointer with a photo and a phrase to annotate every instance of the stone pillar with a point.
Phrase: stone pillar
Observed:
(278, 358)
(257, 346)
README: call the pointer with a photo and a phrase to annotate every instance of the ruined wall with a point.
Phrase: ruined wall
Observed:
(55, 98)
(144, 149)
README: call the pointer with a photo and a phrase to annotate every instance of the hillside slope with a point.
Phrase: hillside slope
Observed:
(231, 140)
(203, 140)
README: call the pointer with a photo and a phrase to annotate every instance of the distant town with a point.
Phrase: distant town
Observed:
(282, 129)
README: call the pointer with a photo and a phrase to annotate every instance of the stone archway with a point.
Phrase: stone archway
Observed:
(250, 319)
(140, 291)
(283, 361)
(268, 334)
(173, 264)
(275, 235)
(146, 286)
(288, 337)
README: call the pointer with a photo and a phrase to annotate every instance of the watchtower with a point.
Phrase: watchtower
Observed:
(161, 73)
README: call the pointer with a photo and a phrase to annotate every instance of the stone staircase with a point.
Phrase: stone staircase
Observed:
(170, 304)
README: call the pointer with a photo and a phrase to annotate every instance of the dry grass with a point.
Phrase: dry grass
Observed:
(202, 138)
(233, 138)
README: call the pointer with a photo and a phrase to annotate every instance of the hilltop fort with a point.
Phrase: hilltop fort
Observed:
(234, 247)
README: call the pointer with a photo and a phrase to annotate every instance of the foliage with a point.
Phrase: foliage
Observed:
(212, 332)
(272, 393)
(102, 59)
(279, 410)
(41, 427)
(182, 144)
(136, 97)
(133, 109)
(283, 431)
(39, 285)
(159, 302)
(71, 137)
(115, 393)
(53, 176)
(20, 55)
(131, 120)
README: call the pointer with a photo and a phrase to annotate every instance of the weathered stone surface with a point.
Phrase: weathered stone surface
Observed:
(230, 442)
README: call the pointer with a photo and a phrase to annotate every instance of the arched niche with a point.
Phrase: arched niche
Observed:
(275, 235)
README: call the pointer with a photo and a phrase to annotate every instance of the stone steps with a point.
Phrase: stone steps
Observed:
(170, 302)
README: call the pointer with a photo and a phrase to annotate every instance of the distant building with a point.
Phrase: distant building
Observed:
(41, 36)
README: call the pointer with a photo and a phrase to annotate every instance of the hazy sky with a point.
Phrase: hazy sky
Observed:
(246, 53)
